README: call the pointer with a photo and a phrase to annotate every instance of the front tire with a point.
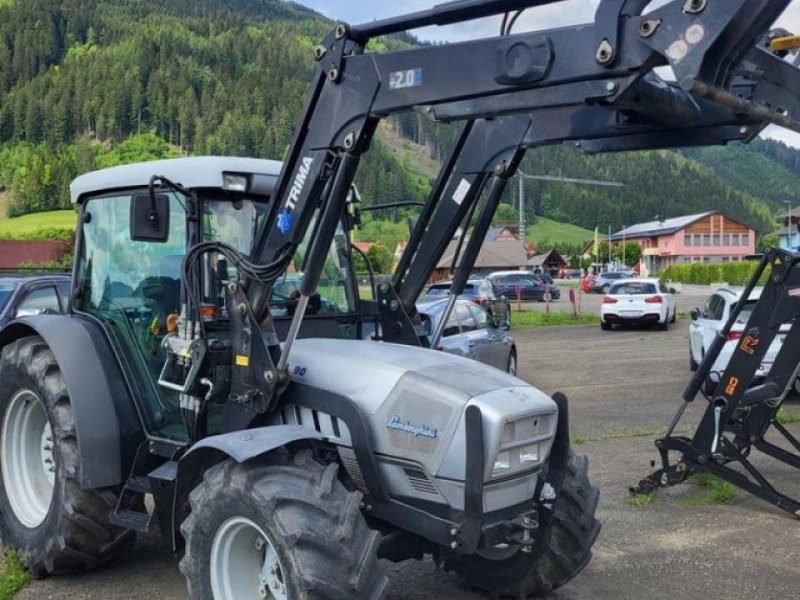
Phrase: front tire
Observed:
(565, 549)
(56, 526)
(275, 528)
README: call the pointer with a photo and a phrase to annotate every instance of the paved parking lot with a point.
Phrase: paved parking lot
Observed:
(622, 386)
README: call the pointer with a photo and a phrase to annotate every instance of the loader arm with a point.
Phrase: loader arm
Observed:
(489, 152)
(606, 64)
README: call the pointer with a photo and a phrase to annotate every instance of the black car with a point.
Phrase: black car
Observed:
(524, 285)
(480, 291)
(24, 295)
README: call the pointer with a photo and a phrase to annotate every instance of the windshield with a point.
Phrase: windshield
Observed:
(633, 287)
(5, 294)
(335, 294)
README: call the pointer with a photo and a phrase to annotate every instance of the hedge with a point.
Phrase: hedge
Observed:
(733, 273)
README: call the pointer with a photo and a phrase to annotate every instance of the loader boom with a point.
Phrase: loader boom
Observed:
(591, 85)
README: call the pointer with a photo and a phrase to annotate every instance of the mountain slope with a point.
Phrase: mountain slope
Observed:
(79, 79)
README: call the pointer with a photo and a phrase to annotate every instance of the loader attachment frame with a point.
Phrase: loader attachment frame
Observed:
(739, 415)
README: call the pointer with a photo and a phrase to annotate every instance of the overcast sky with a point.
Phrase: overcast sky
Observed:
(568, 12)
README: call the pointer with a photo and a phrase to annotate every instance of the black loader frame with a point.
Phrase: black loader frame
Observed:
(725, 74)
(740, 415)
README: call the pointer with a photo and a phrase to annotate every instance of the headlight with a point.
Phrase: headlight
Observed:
(234, 183)
(523, 444)
(501, 464)
(529, 454)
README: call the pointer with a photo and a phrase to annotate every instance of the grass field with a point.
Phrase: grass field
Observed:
(28, 224)
(553, 231)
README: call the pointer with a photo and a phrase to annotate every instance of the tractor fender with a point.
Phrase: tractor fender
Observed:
(107, 425)
(241, 446)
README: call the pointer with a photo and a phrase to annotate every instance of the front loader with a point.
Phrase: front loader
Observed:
(217, 357)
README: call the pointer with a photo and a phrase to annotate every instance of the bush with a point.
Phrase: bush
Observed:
(733, 273)
(48, 233)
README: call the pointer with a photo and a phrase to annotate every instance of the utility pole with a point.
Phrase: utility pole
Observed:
(522, 232)
(553, 179)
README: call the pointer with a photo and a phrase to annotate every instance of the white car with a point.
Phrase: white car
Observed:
(710, 319)
(705, 326)
(638, 301)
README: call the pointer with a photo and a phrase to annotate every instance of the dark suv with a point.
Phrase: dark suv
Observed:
(524, 285)
(480, 291)
(23, 295)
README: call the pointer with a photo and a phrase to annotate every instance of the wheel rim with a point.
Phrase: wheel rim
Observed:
(27, 461)
(512, 364)
(244, 563)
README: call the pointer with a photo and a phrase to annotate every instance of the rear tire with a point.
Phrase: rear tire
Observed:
(565, 549)
(300, 512)
(665, 325)
(605, 326)
(55, 526)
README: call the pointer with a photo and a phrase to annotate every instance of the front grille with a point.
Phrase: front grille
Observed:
(419, 481)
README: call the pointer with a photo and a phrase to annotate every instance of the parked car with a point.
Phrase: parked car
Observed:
(586, 283)
(638, 301)
(601, 284)
(705, 325)
(524, 285)
(482, 292)
(472, 333)
(25, 295)
(711, 318)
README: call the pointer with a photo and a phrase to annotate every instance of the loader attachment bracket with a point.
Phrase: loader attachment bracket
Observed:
(741, 410)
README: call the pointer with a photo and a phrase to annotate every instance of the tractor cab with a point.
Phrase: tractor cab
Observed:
(129, 279)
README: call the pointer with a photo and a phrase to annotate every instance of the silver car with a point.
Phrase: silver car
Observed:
(472, 333)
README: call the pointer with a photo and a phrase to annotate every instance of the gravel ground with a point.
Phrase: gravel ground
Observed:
(623, 386)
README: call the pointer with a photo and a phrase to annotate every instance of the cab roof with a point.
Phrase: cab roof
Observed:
(192, 172)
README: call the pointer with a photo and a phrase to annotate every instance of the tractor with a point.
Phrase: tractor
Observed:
(218, 374)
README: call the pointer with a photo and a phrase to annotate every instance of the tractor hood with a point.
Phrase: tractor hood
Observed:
(415, 398)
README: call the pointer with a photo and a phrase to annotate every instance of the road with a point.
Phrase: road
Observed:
(622, 386)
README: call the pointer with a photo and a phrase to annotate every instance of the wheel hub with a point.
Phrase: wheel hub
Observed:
(28, 460)
(244, 563)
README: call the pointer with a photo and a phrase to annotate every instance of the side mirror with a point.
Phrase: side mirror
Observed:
(695, 314)
(150, 217)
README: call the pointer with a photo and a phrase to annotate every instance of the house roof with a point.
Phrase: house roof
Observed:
(551, 258)
(498, 254)
(364, 246)
(495, 232)
(665, 227)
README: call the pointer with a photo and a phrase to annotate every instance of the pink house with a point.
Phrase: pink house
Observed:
(707, 237)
